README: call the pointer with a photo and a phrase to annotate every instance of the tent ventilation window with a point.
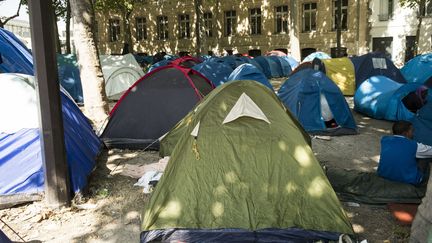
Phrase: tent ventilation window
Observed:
(245, 106)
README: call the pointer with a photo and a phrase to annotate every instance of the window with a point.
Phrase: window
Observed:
(309, 16)
(141, 28)
(344, 25)
(230, 23)
(162, 27)
(386, 10)
(208, 24)
(184, 26)
(427, 11)
(114, 30)
(282, 19)
(255, 21)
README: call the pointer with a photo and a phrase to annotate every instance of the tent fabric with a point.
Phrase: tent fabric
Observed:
(283, 64)
(375, 64)
(186, 61)
(246, 174)
(292, 62)
(249, 72)
(14, 55)
(301, 94)
(422, 124)
(69, 76)
(340, 70)
(418, 69)
(381, 98)
(153, 105)
(318, 54)
(216, 72)
(120, 72)
(369, 188)
(274, 235)
(20, 158)
(4, 238)
(270, 67)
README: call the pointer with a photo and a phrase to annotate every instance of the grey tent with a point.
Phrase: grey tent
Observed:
(153, 105)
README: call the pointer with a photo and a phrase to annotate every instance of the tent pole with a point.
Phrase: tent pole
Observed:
(57, 192)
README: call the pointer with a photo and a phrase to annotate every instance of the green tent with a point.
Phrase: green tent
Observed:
(242, 170)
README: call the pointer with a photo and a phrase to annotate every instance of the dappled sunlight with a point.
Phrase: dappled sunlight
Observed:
(220, 190)
(291, 187)
(172, 210)
(231, 177)
(317, 187)
(302, 156)
(282, 145)
(217, 209)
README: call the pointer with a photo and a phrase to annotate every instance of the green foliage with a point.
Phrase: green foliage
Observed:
(60, 7)
(124, 6)
(412, 3)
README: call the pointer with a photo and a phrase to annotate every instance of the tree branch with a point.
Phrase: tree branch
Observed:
(13, 16)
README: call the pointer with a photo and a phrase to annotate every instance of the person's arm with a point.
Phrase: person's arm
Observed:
(423, 151)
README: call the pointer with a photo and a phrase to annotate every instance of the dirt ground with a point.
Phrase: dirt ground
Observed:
(110, 210)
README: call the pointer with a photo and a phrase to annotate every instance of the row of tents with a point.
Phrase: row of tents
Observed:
(208, 130)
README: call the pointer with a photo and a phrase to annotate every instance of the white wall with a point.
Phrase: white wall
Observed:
(402, 23)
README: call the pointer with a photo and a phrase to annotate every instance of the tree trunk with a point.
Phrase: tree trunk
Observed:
(57, 41)
(339, 28)
(198, 32)
(294, 31)
(95, 100)
(127, 30)
(68, 19)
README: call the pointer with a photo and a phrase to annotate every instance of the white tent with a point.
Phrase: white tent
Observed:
(120, 72)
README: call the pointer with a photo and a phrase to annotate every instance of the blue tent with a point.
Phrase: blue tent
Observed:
(418, 69)
(301, 94)
(292, 62)
(318, 54)
(215, 71)
(270, 68)
(284, 66)
(249, 72)
(375, 64)
(21, 156)
(381, 98)
(422, 124)
(162, 63)
(4, 238)
(69, 76)
(14, 56)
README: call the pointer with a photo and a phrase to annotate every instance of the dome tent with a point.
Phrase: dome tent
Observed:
(410, 70)
(375, 64)
(14, 55)
(340, 70)
(120, 72)
(301, 94)
(242, 171)
(249, 72)
(381, 98)
(153, 105)
(21, 164)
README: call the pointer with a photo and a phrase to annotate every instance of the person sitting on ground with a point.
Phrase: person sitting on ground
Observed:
(403, 159)
(415, 100)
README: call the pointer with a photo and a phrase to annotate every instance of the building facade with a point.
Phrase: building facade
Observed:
(238, 26)
(21, 29)
(394, 28)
